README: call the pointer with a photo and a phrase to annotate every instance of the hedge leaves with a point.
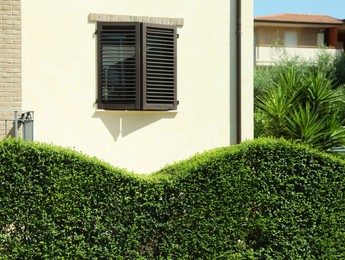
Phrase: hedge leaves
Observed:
(264, 199)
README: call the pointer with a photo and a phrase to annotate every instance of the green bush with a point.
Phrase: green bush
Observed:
(290, 107)
(264, 199)
(339, 65)
(305, 108)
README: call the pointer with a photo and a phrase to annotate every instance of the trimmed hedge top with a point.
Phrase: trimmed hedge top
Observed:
(263, 199)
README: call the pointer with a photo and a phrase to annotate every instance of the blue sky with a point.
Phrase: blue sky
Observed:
(334, 8)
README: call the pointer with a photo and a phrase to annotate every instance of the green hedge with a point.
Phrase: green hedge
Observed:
(264, 199)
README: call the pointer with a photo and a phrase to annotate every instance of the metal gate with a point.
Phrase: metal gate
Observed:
(17, 124)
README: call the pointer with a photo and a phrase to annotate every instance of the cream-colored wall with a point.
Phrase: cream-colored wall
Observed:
(59, 82)
(247, 76)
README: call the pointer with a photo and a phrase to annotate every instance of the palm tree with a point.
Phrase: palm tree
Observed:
(305, 108)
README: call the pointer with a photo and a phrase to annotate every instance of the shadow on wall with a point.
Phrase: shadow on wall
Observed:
(7, 128)
(123, 123)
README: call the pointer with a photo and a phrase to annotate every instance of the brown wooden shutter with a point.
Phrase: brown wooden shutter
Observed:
(118, 65)
(158, 67)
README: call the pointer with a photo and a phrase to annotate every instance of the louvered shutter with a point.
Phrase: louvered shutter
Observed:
(118, 65)
(158, 67)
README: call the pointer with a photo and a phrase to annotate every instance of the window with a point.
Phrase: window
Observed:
(136, 66)
(291, 39)
(320, 39)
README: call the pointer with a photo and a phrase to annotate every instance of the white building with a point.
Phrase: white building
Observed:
(296, 35)
(89, 70)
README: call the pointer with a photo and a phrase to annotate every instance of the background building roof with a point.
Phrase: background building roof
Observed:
(299, 18)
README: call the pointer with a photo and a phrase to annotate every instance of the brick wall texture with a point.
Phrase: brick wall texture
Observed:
(10, 65)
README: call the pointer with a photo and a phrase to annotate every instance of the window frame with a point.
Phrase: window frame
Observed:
(166, 98)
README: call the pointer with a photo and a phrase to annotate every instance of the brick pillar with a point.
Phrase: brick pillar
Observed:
(10, 64)
(333, 36)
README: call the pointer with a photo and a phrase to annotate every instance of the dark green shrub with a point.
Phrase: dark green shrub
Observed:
(265, 199)
(340, 69)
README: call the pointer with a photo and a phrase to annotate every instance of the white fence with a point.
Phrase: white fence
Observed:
(269, 55)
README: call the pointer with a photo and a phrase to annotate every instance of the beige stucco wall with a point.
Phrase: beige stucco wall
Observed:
(270, 36)
(59, 81)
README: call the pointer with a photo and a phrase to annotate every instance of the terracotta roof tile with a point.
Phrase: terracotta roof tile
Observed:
(299, 18)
